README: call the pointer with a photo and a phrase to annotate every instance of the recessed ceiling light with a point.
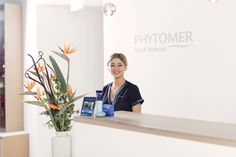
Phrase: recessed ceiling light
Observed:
(213, 1)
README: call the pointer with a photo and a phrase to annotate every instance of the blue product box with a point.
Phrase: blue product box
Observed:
(108, 109)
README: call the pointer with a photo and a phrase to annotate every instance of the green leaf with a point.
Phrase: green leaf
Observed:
(59, 74)
(28, 93)
(37, 103)
(78, 97)
(34, 73)
(61, 55)
(71, 102)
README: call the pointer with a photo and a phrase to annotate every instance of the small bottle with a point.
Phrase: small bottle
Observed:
(99, 112)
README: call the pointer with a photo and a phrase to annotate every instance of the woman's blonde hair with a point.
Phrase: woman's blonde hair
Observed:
(120, 56)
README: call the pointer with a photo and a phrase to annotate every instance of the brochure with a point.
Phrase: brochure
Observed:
(88, 105)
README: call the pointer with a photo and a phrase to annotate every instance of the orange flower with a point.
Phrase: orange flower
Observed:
(70, 90)
(29, 85)
(53, 106)
(40, 68)
(38, 93)
(53, 77)
(68, 49)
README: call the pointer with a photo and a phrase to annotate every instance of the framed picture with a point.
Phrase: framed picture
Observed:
(88, 105)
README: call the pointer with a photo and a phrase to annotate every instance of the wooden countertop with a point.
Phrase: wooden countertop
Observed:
(14, 133)
(196, 130)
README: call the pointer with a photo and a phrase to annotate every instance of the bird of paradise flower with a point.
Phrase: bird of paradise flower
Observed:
(57, 96)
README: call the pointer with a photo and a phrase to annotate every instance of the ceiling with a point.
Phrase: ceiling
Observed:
(89, 3)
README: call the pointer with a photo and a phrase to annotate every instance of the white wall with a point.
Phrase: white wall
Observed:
(83, 30)
(190, 77)
(48, 26)
(30, 46)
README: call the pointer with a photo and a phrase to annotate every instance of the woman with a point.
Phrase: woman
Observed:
(121, 93)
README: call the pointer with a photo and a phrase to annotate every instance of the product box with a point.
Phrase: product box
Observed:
(108, 109)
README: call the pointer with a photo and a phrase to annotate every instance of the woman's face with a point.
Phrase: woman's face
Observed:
(117, 68)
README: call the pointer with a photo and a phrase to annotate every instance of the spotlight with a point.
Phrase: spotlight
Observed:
(109, 8)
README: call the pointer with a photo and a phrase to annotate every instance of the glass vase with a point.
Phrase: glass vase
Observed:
(62, 144)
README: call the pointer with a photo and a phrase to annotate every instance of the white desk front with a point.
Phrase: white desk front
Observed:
(132, 134)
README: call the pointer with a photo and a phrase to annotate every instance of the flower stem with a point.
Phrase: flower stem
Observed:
(68, 72)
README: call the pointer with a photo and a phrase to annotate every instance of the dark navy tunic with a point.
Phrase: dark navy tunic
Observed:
(127, 96)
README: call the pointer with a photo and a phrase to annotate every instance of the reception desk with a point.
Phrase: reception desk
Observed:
(129, 134)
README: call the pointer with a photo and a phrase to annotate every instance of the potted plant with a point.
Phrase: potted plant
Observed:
(50, 90)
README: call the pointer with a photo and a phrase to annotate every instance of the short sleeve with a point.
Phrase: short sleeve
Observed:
(135, 96)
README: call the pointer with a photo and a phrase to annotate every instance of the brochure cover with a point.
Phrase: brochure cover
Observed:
(88, 105)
